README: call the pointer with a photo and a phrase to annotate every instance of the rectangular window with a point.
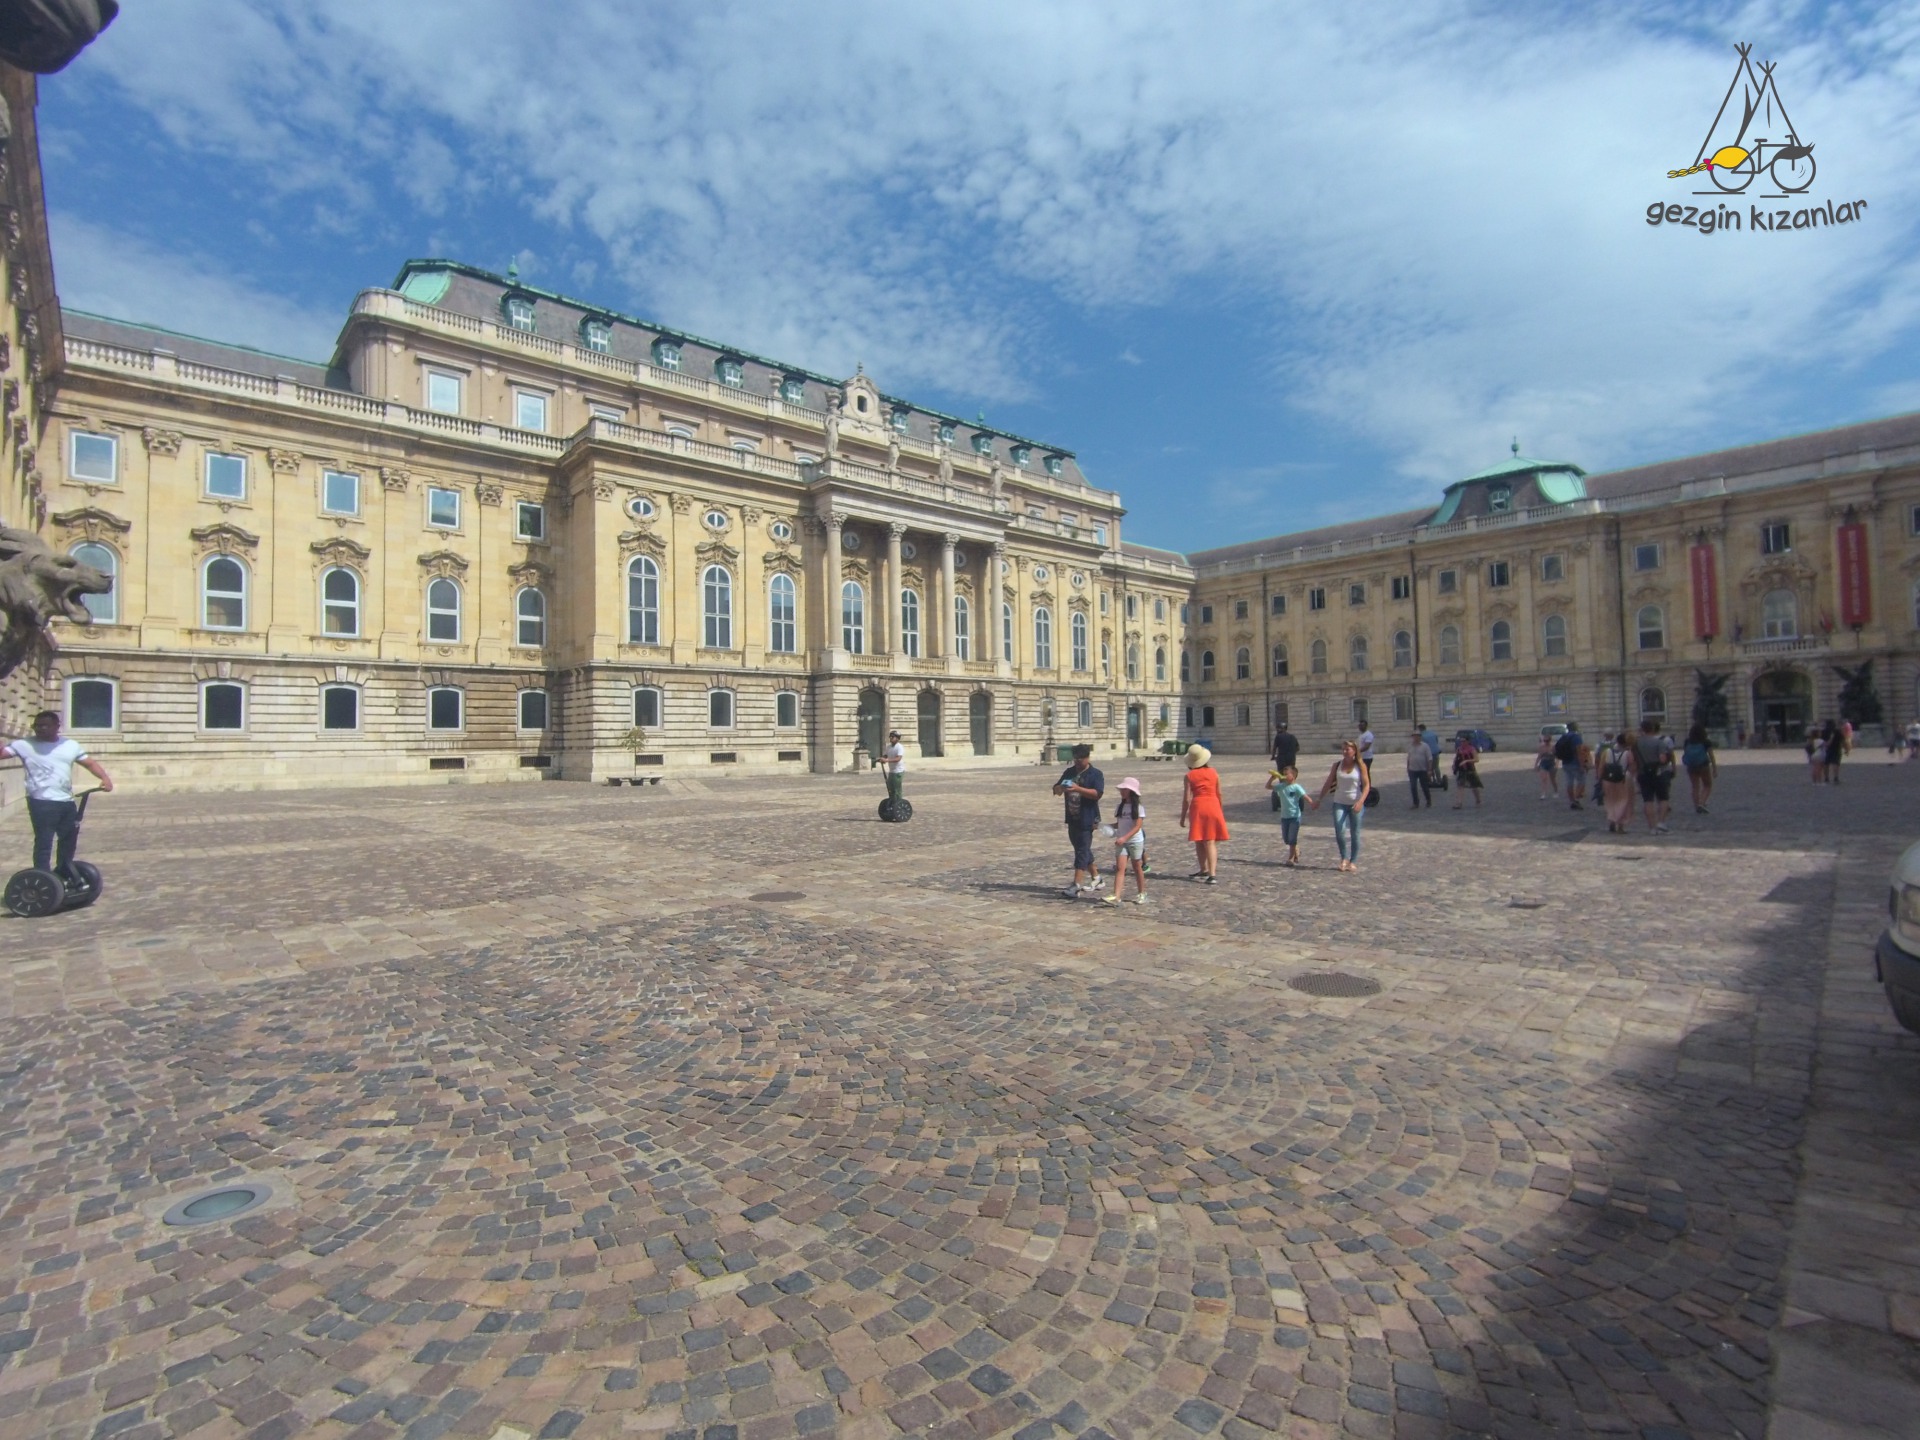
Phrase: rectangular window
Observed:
(443, 508)
(1552, 568)
(1448, 582)
(1159, 607)
(444, 708)
(222, 706)
(607, 412)
(1280, 713)
(1776, 538)
(226, 476)
(1317, 598)
(533, 709)
(1360, 712)
(1499, 576)
(1356, 594)
(1317, 712)
(340, 708)
(1183, 612)
(1239, 609)
(786, 710)
(529, 521)
(94, 457)
(1500, 704)
(530, 410)
(1646, 557)
(1403, 587)
(1913, 520)
(1277, 605)
(1206, 614)
(90, 704)
(1402, 708)
(1243, 715)
(1100, 536)
(443, 392)
(339, 492)
(1206, 717)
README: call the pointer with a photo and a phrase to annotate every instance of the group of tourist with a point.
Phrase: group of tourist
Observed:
(1623, 763)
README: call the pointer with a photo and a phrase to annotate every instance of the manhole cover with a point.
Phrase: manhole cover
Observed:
(224, 1203)
(778, 896)
(1335, 986)
(1518, 904)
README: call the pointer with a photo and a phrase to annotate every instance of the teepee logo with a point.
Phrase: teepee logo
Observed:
(1752, 149)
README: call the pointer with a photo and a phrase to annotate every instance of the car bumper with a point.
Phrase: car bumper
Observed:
(1894, 967)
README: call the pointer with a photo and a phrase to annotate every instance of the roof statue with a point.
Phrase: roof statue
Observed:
(44, 35)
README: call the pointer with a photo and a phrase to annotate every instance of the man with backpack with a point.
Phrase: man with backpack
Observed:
(1652, 758)
(1567, 751)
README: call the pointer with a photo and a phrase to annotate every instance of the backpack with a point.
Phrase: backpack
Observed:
(1566, 750)
(1613, 772)
(1695, 756)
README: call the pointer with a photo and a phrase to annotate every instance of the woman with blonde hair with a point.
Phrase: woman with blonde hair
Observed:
(1200, 812)
(1347, 782)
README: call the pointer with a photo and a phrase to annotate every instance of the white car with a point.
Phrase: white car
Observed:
(1896, 959)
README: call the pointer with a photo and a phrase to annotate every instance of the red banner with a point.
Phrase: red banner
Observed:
(1704, 567)
(1856, 591)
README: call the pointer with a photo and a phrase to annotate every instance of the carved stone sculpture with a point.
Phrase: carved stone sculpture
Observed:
(44, 35)
(36, 585)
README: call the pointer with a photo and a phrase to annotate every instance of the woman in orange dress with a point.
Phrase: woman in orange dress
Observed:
(1200, 812)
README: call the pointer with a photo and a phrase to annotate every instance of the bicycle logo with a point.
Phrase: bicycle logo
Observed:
(1742, 157)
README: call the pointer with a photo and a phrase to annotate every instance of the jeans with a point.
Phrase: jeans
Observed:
(1082, 838)
(1576, 779)
(895, 780)
(1346, 830)
(1417, 783)
(54, 820)
(1290, 831)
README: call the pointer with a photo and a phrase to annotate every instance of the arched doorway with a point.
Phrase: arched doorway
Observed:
(980, 721)
(1136, 724)
(1782, 703)
(928, 709)
(873, 719)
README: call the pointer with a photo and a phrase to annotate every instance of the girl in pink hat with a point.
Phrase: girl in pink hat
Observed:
(1129, 842)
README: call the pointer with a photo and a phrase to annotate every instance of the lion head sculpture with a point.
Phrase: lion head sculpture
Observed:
(38, 585)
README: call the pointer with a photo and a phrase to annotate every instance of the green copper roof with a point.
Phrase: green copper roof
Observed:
(1520, 465)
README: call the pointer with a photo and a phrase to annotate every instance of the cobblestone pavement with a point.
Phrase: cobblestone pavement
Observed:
(734, 1114)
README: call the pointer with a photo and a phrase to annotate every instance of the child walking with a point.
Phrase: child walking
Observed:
(1286, 786)
(1129, 843)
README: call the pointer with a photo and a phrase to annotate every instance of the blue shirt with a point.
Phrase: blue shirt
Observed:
(1292, 797)
(1080, 810)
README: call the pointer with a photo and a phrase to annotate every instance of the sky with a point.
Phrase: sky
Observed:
(1260, 266)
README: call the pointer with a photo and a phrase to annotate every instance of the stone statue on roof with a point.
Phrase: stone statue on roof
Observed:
(36, 586)
(44, 35)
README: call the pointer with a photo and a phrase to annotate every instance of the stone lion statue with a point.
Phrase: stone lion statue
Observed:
(36, 585)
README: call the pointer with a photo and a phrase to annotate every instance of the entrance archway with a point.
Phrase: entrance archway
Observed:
(928, 710)
(1783, 703)
(980, 721)
(873, 719)
(1136, 725)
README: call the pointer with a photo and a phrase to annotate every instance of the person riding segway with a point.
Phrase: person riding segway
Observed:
(56, 881)
(896, 808)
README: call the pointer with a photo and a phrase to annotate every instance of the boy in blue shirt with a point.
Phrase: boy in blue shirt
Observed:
(1292, 795)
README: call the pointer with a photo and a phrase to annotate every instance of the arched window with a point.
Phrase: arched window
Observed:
(446, 708)
(1043, 638)
(962, 627)
(1357, 653)
(1500, 639)
(1280, 663)
(1553, 635)
(1652, 627)
(1243, 664)
(1160, 663)
(1317, 657)
(853, 618)
(646, 707)
(339, 707)
(720, 709)
(786, 709)
(1006, 632)
(1402, 649)
(1186, 667)
(443, 611)
(1166, 712)
(1449, 645)
(1086, 715)
(910, 623)
(339, 602)
(1206, 664)
(105, 609)
(643, 601)
(716, 608)
(1077, 627)
(1106, 660)
(533, 710)
(530, 617)
(223, 706)
(223, 594)
(1779, 614)
(1653, 704)
(782, 632)
(1133, 662)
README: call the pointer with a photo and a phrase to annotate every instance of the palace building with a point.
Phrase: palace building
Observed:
(505, 533)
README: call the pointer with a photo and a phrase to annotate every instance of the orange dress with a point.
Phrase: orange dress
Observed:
(1205, 819)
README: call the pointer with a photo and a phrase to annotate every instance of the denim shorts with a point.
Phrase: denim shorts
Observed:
(1136, 848)
(1290, 831)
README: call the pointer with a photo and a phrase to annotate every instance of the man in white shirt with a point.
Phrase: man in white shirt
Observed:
(1366, 743)
(893, 764)
(49, 763)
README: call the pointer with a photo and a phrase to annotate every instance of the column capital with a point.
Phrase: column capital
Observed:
(948, 540)
(895, 530)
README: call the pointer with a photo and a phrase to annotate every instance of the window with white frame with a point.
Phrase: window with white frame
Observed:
(105, 609)
(1085, 714)
(1499, 575)
(1776, 538)
(93, 703)
(1317, 658)
(782, 632)
(793, 391)
(1279, 660)
(1357, 653)
(530, 410)
(93, 457)
(443, 391)
(226, 476)
(786, 710)
(720, 709)
(1359, 709)
(1077, 633)
(643, 601)
(899, 420)
(223, 594)
(853, 618)
(646, 707)
(529, 617)
(1651, 627)
(910, 623)
(1206, 665)
(1553, 635)
(1160, 664)
(339, 707)
(1186, 667)
(520, 312)
(716, 607)
(730, 373)
(446, 708)
(1243, 663)
(339, 602)
(529, 520)
(983, 444)
(443, 508)
(1402, 587)
(1402, 649)
(1133, 662)
(1500, 637)
(962, 627)
(1403, 707)
(607, 412)
(339, 492)
(1653, 705)
(1043, 638)
(1160, 607)
(1449, 644)
(666, 354)
(597, 336)
(1499, 499)
(533, 710)
(1317, 598)
(1779, 614)
(223, 705)
(443, 611)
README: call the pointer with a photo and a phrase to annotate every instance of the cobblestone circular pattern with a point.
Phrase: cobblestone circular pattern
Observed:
(736, 1175)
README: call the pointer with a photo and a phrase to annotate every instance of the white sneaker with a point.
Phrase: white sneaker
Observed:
(1140, 899)
(1109, 899)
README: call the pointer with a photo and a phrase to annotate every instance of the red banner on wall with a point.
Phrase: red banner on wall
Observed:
(1856, 589)
(1704, 567)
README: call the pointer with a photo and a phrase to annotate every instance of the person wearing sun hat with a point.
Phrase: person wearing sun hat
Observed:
(1129, 842)
(1200, 812)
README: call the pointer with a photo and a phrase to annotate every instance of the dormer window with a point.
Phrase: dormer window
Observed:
(1056, 464)
(1021, 455)
(596, 335)
(946, 432)
(520, 312)
(898, 420)
(1499, 499)
(983, 444)
(730, 372)
(666, 354)
(793, 390)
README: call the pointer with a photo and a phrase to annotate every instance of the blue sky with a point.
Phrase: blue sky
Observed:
(1263, 267)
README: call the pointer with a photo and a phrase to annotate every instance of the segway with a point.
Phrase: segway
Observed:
(895, 812)
(31, 894)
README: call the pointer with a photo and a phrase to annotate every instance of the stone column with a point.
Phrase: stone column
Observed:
(992, 597)
(947, 542)
(896, 621)
(833, 522)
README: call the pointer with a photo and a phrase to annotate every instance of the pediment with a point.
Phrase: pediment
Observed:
(223, 537)
(90, 522)
(341, 551)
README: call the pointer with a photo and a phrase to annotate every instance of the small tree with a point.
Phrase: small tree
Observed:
(1710, 700)
(1859, 701)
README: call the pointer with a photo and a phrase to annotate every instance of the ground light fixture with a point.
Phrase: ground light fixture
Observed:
(222, 1202)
